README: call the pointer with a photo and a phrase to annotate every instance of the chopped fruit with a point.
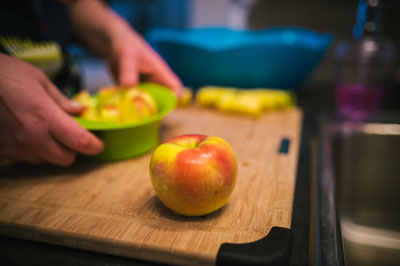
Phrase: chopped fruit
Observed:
(186, 97)
(113, 104)
(244, 101)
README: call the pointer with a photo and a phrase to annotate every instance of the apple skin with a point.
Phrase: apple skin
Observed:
(110, 113)
(109, 96)
(137, 104)
(194, 175)
(90, 111)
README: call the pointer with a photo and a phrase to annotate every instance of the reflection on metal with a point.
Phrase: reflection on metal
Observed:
(359, 193)
(381, 129)
(370, 236)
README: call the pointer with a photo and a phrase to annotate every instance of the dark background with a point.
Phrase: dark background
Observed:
(337, 17)
(325, 16)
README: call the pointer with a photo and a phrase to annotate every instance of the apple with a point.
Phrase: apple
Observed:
(110, 113)
(116, 104)
(109, 96)
(194, 175)
(90, 111)
(137, 104)
(83, 97)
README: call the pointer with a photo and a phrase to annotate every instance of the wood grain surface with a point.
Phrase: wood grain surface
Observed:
(112, 208)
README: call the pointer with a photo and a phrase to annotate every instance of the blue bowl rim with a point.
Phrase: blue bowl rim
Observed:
(224, 38)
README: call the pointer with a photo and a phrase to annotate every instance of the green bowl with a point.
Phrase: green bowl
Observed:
(127, 140)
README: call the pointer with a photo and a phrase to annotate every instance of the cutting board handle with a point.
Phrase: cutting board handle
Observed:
(273, 249)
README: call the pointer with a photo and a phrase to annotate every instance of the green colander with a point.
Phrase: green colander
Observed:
(127, 140)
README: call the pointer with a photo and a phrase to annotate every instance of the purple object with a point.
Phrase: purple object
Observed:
(356, 101)
(364, 66)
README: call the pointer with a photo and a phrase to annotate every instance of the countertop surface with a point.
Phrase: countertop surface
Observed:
(112, 208)
(314, 99)
(23, 252)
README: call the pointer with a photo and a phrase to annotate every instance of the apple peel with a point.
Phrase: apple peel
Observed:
(194, 175)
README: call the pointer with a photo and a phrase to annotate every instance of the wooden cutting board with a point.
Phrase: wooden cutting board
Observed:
(112, 208)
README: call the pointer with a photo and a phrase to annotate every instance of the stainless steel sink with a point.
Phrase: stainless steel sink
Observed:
(360, 179)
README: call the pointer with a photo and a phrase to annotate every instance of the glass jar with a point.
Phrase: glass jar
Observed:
(363, 65)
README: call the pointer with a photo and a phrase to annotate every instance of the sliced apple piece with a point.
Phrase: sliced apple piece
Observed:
(110, 113)
(137, 104)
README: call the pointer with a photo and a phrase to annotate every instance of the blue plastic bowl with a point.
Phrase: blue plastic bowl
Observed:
(280, 57)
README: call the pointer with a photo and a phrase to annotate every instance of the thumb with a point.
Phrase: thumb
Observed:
(67, 105)
(72, 135)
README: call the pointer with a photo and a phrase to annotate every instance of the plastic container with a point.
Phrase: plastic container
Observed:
(364, 66)
(279, 57)
(127, 140)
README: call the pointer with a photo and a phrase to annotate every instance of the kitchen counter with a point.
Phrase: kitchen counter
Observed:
(314, 101)
(45, 254)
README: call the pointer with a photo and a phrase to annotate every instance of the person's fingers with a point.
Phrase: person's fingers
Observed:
(71, 134)
(67, 105)
(57, 153)
(113, 68)
(128, 75)
(131, 64)
(175, 85)
(160, 72)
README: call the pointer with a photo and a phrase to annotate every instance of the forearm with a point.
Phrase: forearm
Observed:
(94, 24)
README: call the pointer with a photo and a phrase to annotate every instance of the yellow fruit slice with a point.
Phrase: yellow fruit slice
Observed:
(186, 97)
(209, 96)
(110, 96)
(90, 111)
(114, 104)
(240, 103)
(245, 101)
(137, 104)
(110, 113)
(83, 97)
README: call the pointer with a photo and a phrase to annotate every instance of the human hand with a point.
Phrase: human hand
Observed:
(34, 118)
(129, 57)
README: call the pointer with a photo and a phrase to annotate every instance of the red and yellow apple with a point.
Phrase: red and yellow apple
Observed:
(194, 175)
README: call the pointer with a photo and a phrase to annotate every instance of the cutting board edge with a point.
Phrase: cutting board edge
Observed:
(101, 245)
(119, 248)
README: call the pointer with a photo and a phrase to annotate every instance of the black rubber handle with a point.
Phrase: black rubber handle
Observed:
(274, 249)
